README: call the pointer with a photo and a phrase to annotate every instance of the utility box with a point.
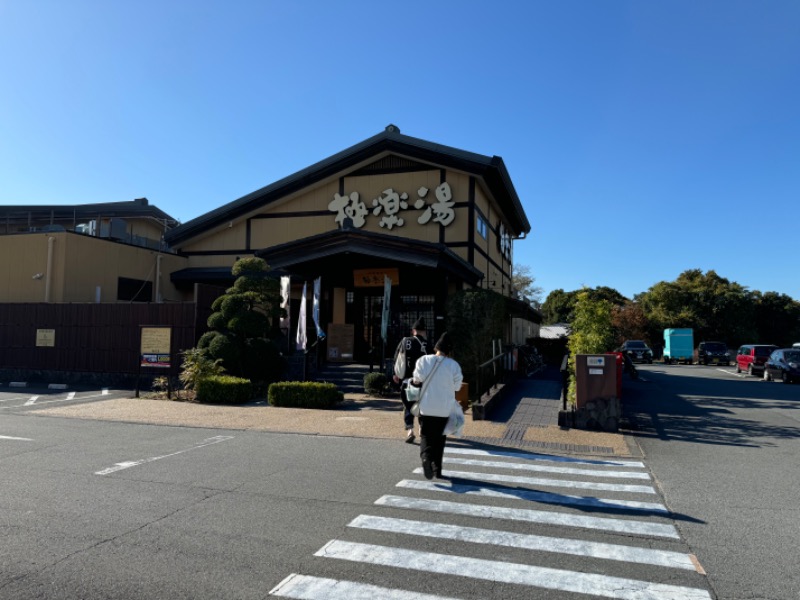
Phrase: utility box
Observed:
(595, 378)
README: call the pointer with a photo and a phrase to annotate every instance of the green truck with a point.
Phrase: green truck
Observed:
(678, 346)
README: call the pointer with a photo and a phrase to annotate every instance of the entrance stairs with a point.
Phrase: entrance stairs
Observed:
(348, 377)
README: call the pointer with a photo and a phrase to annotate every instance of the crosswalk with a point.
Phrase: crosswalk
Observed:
(539, 523)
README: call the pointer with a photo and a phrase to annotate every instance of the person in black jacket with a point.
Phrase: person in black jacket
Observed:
(414, 346)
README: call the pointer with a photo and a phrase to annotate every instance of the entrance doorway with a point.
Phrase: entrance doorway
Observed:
(365, 312)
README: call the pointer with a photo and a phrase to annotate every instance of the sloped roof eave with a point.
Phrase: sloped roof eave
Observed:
(491, 169)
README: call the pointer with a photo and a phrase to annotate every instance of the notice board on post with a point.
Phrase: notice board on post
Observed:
(340, 342)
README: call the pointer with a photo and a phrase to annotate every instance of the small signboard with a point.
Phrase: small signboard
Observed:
(155, 347)
(46, 338)
(340, 342)
(374, 277)
(595, 371)
(596, 361)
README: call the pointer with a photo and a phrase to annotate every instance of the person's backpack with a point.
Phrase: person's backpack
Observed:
(408, 351)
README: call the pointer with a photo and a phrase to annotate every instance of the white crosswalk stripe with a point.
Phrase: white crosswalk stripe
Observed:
(548, 469)
(582, 485)
(534, 496)
(491, 487)
(624, 526)
(540, 543)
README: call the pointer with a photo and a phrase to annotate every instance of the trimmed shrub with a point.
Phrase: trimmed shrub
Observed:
(304, 394)
(224, 389)
(375, 383)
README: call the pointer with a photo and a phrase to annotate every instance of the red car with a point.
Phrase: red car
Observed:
(752, 357)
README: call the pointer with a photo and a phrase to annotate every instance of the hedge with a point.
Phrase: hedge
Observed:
(224, 389)
(304, 394)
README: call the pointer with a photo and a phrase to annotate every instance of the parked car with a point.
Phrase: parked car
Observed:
(751, 358)
(712, 352)
(637, 351)
(783, 364)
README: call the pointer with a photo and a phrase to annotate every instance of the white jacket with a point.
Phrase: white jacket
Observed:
(440, 391)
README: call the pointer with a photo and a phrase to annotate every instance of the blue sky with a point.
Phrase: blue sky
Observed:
(643, 138)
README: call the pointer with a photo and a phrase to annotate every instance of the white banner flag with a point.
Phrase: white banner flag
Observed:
(301, 322)
(315, 308)
(387, 295)
(286, 322)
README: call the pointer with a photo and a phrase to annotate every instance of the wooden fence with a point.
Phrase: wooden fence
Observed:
(88, 338)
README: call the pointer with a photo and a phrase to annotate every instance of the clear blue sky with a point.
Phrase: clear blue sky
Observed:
(643, 138)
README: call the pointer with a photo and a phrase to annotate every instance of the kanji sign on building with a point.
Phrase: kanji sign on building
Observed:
(391, 207)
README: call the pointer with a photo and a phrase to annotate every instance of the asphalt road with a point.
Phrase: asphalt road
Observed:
(103, 510)
(725, 450)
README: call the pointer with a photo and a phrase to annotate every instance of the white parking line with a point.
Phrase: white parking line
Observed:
(135, 463)
(19, 439)
(31, 401)
(519, 574)
(474, 535)
(526, 515)
(533, 496)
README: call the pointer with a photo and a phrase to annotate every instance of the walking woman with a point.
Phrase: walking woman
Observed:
(444, 380)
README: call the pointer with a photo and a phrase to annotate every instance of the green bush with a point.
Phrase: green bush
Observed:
(304, 394)
(375, 383)
(224, 389)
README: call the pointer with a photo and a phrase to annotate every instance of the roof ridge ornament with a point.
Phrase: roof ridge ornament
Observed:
(390, 128)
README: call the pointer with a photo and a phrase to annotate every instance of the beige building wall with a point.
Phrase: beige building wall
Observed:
(79, 265)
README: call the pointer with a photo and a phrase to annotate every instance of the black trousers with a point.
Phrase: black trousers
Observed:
(432, 440)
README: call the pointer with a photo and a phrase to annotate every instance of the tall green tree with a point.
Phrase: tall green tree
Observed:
(559, 306)
(475, 318)
(523, 284)
(777, 318)
(716, 308)
(242, 322)
(592, 331)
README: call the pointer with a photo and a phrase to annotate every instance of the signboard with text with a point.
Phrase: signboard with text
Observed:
(155, 347)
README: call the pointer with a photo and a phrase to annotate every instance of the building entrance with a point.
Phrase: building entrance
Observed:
(365, 312)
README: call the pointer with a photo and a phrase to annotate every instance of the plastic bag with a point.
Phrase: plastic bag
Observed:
(455, 421)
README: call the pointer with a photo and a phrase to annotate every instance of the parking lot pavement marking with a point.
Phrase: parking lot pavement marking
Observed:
(533, 496)
(104, 392)
(71, 396)
(537, 481)
(474, 535)
(19, 439)
(135, 463)
(527, 515)
(31, 400)
(306, 587)
(520, 574)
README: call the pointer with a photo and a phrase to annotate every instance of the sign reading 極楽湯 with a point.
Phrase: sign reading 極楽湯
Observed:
(391, 205)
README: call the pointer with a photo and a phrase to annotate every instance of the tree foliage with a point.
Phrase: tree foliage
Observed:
(474, 319)
(559, 307)
(242, 324)
(523, 285)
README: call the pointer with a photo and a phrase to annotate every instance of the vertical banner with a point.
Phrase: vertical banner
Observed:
(286, 322)
(301, 322)
(315, 308)
(387, 296)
